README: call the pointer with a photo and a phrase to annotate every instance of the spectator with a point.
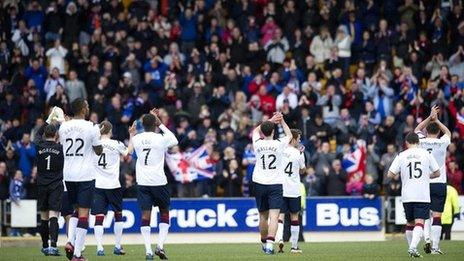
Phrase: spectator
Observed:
(26, 151)
(455, 176)
(370, 189)
(343, 42)
(355, 185)
(52, 82)
(335, 179)
(321, 45)
(4, 181)
(286, 95)
(17, 192)
(74, 87)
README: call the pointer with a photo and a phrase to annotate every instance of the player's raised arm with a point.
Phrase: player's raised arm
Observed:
(443, 128)
(132, 132)
(287, 130)
(96, 143)
(169, 137)
(424, 123)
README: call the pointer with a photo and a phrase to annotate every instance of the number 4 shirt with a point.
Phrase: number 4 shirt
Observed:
(107, 164)
(293, 162)
(269, 156)
(78, 138)
(150, 148)
(415, 166)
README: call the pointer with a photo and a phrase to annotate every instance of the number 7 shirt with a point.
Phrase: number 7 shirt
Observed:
(269, 160)
(150, 148)
(78, 138)
(415, 166)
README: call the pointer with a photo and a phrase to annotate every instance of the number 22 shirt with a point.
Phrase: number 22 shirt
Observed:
(415, 166)
(78, 137)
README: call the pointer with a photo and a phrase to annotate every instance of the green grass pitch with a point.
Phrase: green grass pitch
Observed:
(386, 250)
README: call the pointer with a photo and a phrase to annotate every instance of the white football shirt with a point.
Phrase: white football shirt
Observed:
(415, 166)
(150, 148)
(269, 157)
(107, 164)
(437, 147)
(78, 137)
(293, 162)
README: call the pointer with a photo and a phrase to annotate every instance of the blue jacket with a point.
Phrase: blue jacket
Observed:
(34, 18)
(17, 190)
(189, 28)
(39, 76)
(26, 157)
(157, 73)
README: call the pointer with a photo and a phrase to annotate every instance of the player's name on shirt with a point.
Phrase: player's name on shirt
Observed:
(413, 156)
(49, 150)
(266, 149)
(73, 130)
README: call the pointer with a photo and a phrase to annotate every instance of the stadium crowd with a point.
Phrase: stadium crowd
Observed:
(340, 71)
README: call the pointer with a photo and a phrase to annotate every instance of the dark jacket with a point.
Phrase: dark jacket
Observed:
(336, 183)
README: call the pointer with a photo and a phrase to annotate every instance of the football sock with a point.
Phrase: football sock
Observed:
(73, 220)
(44, 232)
(81, 232)
(417, 233)
(270, 242)
(53, 230)
(118, 227)
(280, 231)
(427, 230)
(145, 229)
(436, 232)
(163, 229)
(294, 233)
(98, 231)
(408, 232)
(163, 233)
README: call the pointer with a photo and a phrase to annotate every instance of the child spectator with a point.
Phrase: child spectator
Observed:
(354, 187)
(370, 189)
(17, 192)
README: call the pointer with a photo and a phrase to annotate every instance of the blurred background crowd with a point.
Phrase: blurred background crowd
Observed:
(340, 71)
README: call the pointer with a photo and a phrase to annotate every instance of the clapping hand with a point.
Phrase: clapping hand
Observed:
(133, 129)
(434, 113)
(276, 118)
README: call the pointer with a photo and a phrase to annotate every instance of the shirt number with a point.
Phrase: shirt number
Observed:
(272, 161)
(102, 161)
(288, 169)
(417, 170)
(48, 159)
(146, 155)
(79, 145)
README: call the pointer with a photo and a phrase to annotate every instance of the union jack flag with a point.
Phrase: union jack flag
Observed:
(187, 167)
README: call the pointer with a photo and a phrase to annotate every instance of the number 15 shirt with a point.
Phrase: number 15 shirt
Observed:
(415, 166)
(78, 137)
(269, 160)
(150, 148)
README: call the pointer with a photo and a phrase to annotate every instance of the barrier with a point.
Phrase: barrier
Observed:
(401, 220)
(241, 215)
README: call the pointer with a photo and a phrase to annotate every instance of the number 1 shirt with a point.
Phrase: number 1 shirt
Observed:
(78, 138)
(150, 148)
(415, 166)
